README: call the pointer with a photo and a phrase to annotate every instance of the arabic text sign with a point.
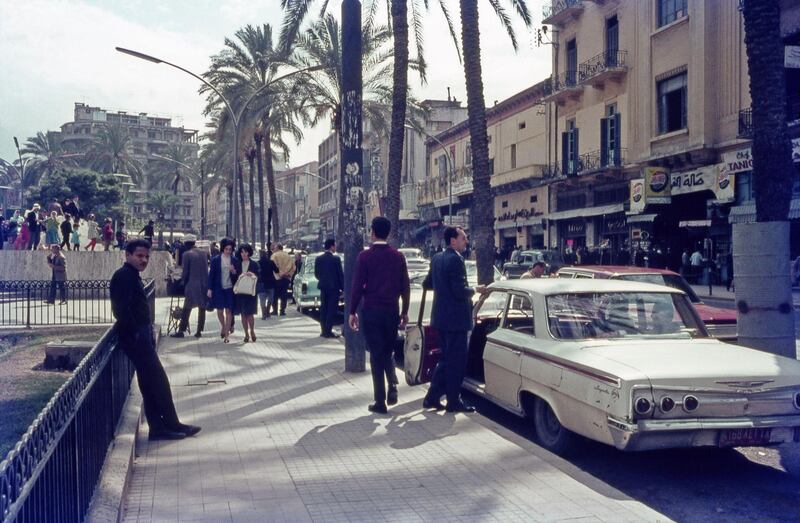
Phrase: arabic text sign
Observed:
(694, 180)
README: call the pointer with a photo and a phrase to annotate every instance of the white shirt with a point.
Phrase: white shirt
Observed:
(225, 271)
(697, 259)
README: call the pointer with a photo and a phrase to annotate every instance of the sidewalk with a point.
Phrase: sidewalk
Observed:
(287, 437)
(718, 292)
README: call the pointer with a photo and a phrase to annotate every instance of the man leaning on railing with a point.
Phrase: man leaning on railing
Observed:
(135, 334)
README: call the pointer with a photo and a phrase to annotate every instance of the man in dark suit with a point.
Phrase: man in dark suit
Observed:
(330, 281)
(451, 316)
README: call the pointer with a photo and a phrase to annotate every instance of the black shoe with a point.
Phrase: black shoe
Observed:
(198, 334)
(391, 396)
(165, 435)
(378, 408)
(283, 313)
(189, 430)
(432, 404)
(177, 335)
(460, 407)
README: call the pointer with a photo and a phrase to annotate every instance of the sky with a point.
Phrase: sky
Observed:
(54, 53)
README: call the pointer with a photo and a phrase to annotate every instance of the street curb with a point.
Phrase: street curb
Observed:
(109, 496)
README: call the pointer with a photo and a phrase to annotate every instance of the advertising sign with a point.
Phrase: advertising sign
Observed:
(695, 180)
(637, 196)
(725, 184)
(738, 161)
(657, 185)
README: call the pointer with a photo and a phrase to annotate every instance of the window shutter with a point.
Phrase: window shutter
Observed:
(603, 142)
(575, 167)
(617, 139)
(565, 152)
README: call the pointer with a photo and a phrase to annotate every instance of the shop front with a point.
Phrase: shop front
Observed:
(612, 237)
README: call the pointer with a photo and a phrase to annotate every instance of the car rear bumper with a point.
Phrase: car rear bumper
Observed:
(308, 301)
(662, 434)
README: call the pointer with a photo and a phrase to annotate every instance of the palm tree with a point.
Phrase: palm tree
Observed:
(111, 153)
(177, 157)
(482, 212)
(158, 202)
(762, 248)
(47, 155)
(250, 155)
(217, 158)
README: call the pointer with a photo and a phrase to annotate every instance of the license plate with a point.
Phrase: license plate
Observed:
(743, 437)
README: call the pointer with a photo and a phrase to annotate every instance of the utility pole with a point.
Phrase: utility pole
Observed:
(351, 192)
(202, 201)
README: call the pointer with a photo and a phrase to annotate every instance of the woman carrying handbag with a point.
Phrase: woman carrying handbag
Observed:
(221, 276)
(244, 291)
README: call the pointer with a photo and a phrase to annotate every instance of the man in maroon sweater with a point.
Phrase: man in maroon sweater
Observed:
(380, 278)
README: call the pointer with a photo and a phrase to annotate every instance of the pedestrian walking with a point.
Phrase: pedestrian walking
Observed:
(330, 282)
(108, 234)
(58, 267)
(283, 275)
(120, 235)
(12, 229)
(536, 271)
(195, 287)
(21, 243)
(221, 276)
(135, 334)
(266, 284)
(34, 227)
(451, 316)
(149, 231)
(51, 230)
(91, 233)
(381, 280)
(246, 304)
(66, 231)
(76, 235)
(55, 207)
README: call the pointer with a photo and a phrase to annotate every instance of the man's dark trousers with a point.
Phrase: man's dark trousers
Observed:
(380, 332)
(201, 319)
(281, 288)
(452, 367)
(153, 382)
(329, 303)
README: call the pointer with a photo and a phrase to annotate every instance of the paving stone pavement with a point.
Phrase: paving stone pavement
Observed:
(287, 437)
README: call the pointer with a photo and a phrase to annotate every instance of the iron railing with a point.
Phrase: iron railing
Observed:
(556, 6)
(26, 303)
(584, 164)
(52, 472)
(605, 61)
(745, 123)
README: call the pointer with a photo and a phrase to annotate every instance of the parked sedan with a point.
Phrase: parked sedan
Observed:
(525, 260)
(624, 363)
(305, 290)
(721, 323)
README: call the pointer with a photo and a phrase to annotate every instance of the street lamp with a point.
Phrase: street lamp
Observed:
(449, 167)
(235, 117)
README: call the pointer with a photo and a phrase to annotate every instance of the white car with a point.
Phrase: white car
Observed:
(624, 363)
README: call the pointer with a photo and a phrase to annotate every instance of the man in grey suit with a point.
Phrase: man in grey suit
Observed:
(195, 286)
(451, 316)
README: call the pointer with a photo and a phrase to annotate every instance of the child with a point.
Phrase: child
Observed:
(76, 236)
(108, 234)
(91, 233)
(51, 227)
(120, 236)
(58, 264)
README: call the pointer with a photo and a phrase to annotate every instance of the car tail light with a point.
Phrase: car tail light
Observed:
(690, 403)
(642, 406)
(667, 404)
(797, 400)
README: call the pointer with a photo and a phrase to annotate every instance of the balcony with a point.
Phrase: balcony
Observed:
(563, 87)
(608, 65)
(589, 163)
(745, 124)
(560, 11)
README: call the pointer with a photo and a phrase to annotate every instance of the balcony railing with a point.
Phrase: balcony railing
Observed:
(745, 123)
(606, 65)
(563, 86)
(587, 163)
(560, 10)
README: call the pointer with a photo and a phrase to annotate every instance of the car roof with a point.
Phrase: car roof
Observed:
(618, 269)
(549, 286)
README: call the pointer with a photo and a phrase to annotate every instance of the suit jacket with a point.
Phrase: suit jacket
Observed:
(328, 271)
(195, 277)
(214, 282)
(452, 298)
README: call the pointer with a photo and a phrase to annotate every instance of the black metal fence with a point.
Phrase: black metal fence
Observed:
(41, 302)
(51, 473)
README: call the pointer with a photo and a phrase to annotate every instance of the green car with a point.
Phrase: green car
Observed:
(305, 290)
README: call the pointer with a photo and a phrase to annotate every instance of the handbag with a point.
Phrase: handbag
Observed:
(246, 284)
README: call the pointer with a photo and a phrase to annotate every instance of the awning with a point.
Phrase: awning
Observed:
(589, 211)
(747, 213)
(406, 214)
(641, 218)
(309, 237)
(505, 225)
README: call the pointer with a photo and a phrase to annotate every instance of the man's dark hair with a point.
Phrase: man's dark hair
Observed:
(450, 233)
(132, 245)
(381, 226)
(539, 263)
(224, 242)
(330, 242)
(244, 247)
(188, 245)
(279, 247)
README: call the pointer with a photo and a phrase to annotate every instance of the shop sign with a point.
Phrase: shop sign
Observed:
(616, 225)
(575, 229)
(738, 161)
(637, 196)
(657, 185)
(693, 181)
(456, 220)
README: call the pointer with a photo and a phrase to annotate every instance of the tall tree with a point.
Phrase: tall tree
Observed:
(111, 153)
(46, 156)
(178, 165)
(250, 155)
(482, 210)
(761, 250)
(217, 157)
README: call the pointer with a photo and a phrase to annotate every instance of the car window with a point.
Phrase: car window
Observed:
(675, 281)
(565, 274)
(519, 316)
(491, 309)
(584, 275)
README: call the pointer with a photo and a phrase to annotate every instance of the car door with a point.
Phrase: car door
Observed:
(502, 355)
(421, 351)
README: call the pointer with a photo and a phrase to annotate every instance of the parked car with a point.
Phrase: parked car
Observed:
(472, 275)
(525, 260)
(415, 261)
(624, 363)
(721, 323)
(305, 290)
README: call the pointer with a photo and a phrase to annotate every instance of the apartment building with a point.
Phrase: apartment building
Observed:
(149, 135)
(298, 207)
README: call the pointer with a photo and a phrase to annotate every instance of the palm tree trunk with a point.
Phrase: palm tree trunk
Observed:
(257, 137)
(399, 101)
(172, 208)
(251, 160)
(761, 250)
(482, 215)
(229, 211)
(273, 194)
(242, 211)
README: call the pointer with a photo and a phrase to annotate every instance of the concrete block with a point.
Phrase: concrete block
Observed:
(65, 354)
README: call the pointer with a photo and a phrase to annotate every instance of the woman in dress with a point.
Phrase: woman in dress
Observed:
(21, 243)
(246, 305)
(221, 276)
(51, 228)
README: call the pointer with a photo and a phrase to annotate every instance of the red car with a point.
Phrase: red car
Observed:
(721, 323)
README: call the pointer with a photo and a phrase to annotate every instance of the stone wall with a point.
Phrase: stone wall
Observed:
(81, 265)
